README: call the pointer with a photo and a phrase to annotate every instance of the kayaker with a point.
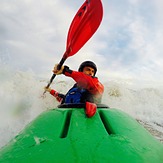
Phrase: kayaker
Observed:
(87, 87)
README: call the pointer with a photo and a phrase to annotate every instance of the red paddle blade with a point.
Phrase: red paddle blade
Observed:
(83, 26)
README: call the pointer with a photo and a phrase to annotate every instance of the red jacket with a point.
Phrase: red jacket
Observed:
(87, 82)
(90, 83)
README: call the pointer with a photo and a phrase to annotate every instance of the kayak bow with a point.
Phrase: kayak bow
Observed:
(67, 135)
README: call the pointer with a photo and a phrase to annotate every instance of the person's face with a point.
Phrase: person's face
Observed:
(89, 71)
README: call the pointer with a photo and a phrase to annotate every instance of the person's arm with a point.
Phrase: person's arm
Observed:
(92, 84)
(57, 95)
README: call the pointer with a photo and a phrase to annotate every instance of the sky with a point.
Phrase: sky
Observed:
(128, 43)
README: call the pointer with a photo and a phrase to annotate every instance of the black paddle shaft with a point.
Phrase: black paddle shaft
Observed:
(54, 75)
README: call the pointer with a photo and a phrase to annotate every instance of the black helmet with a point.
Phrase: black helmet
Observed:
(89, 64)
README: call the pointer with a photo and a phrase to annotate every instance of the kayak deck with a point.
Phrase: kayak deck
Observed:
(67, 135)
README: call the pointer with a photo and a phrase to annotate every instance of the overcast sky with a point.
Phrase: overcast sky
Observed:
(128, 43)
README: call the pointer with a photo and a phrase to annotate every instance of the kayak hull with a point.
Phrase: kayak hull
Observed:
(67, 135)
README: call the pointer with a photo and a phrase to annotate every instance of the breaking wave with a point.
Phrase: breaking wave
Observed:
(21, 99)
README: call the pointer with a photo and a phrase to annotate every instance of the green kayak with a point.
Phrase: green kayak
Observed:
(67, 135)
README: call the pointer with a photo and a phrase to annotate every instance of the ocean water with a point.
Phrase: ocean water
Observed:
(21, 100)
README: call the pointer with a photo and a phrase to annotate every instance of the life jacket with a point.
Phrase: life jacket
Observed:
(77, 95)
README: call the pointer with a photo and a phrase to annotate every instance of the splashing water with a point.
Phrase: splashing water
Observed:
(21, 101)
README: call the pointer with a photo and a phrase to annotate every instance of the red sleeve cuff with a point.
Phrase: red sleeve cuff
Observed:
(52, 92)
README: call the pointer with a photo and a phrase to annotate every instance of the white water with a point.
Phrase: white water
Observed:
(21, 100)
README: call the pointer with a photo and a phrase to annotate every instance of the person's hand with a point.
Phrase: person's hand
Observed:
(56, 71)
(47, 89)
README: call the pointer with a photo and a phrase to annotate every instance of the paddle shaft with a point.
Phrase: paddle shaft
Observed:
(54, 75)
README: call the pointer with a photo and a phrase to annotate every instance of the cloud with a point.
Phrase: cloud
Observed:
(129, 40)
(30, 30)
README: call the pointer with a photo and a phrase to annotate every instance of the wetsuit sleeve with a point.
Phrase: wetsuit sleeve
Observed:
(92, 84)
(57, 95)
